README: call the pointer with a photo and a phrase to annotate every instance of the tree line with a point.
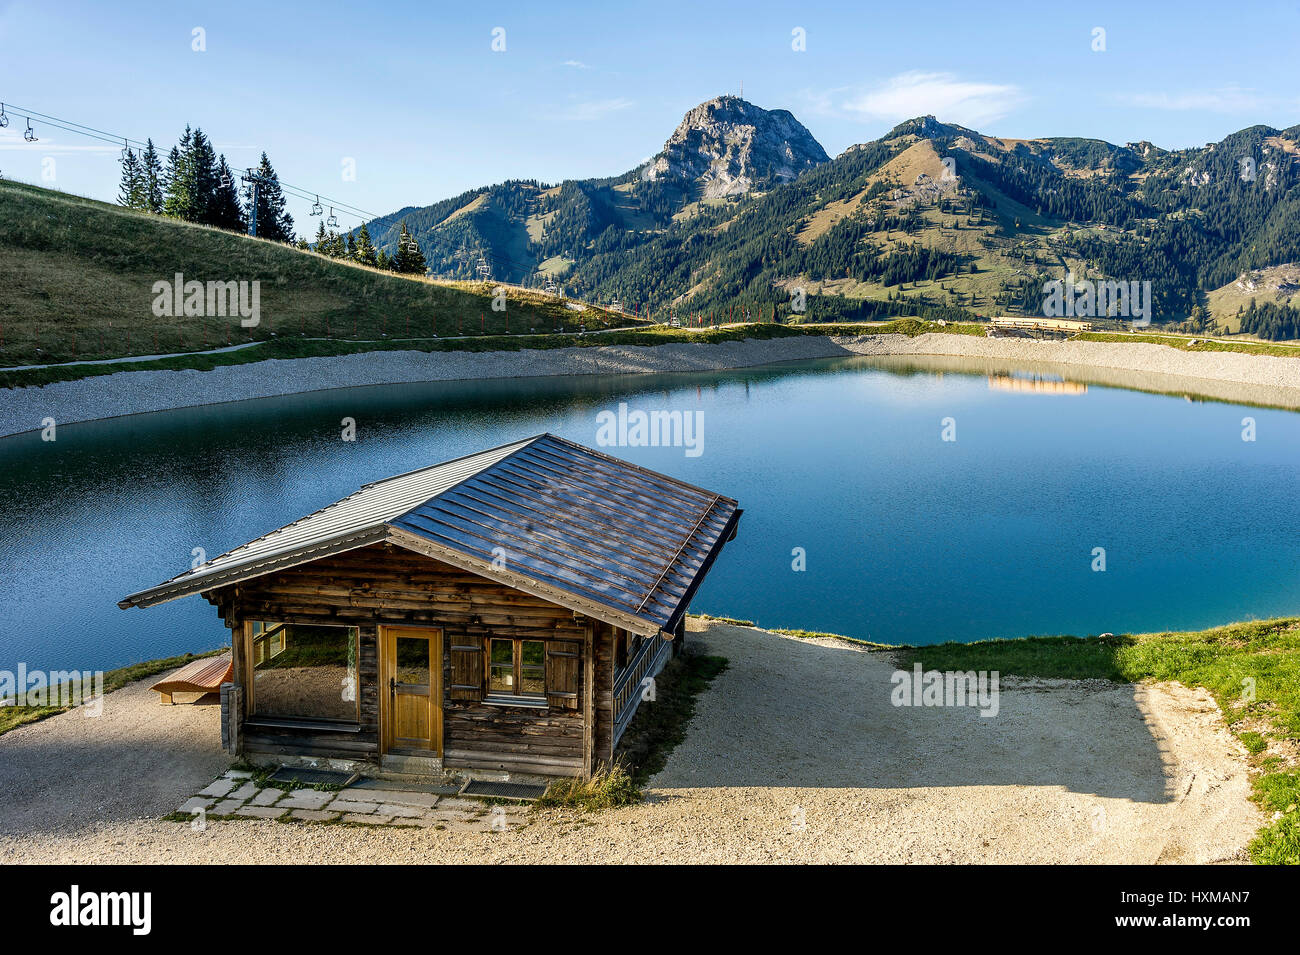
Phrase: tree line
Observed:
(197, 185)
(408, 259)
(1270, 321)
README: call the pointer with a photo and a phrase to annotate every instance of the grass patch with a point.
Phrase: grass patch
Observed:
(1251, 668)
(1278, 843)
(1185, 343)
(608, 788)
(728, 620)
(12, 717)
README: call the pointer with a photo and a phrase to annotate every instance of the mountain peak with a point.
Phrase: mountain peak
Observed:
(929, 127)
(731, 146)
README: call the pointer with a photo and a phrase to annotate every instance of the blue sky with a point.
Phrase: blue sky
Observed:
(416, 97)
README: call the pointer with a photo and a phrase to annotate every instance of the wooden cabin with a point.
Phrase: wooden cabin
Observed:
(501, 611)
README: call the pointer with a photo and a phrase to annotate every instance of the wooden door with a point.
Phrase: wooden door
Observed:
(412, 690)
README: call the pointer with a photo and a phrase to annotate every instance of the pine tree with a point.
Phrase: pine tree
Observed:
(226, 211)
(408, 259)
(322, 239)
(181, 201)
(273, 222)
(203, 169)
(131, 192)
(365, 251)
(152, 171)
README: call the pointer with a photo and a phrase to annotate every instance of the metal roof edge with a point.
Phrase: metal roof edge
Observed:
(725, 536)
(176, 588)
(521, 442)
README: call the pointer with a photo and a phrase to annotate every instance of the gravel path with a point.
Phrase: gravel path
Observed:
(1256, 378)
(795, 755)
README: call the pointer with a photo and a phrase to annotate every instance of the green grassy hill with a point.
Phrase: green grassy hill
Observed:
(78, 278)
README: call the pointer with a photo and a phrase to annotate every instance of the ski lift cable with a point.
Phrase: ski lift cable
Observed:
(102, 135)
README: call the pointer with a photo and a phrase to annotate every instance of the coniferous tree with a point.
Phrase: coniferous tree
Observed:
(152, 172)
(226, 212)
(131, 191)
(322, 240)
(181, 201)
(203, 169)
(408, 259)
(365, 248)
(273, 222)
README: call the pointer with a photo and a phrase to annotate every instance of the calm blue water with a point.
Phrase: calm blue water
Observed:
(908, 538)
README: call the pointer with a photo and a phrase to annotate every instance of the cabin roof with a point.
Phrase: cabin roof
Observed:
(544, 515)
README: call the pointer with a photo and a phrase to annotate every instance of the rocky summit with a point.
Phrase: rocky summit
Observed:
(730, 146)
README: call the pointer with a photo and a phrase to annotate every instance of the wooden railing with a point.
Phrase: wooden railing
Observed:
(627, 685)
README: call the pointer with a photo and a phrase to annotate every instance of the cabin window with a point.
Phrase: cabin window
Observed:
(516, 668)
(304, 672)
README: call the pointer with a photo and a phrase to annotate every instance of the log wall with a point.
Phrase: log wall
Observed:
(382, 584)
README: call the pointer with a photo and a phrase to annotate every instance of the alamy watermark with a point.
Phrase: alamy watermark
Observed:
(53, 688)
(651, 429)
(946, 688)
(194, 299)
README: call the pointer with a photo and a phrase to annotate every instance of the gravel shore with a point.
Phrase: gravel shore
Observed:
(795, 754)
(1258, 379)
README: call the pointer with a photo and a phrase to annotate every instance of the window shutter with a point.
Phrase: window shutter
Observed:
(467, 668)
(563, 659)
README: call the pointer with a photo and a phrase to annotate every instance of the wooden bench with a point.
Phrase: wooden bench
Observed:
(204, 675)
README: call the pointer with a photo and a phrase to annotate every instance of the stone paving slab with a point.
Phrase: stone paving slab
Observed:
(352, 805)
(306, 799)
(394, 797)
(387, 804)
(218, 787)
(246, 791)
(261, 812)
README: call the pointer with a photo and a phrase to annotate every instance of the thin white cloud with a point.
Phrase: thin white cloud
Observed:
(576, 64)
(595, 109)
(1227, 99)
(943, 95)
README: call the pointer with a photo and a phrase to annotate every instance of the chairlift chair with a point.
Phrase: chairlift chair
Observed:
(4, 120)
(316, 207)
(333, 220)
(30, 134)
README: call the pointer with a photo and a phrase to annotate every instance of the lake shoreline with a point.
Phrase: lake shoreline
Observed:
(1219, 375)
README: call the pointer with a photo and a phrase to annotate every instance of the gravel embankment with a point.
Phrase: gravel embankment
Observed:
(1236, 377)
(795, 754)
